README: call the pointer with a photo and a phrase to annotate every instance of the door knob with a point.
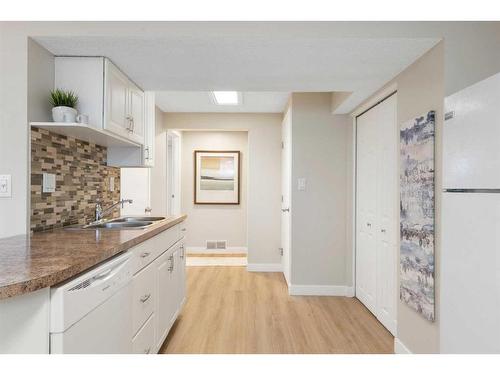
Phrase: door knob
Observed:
(285, 210)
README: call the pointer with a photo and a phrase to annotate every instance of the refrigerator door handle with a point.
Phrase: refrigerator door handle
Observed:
(485, 191)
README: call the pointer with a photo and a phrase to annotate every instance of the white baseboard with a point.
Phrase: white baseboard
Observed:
(265, 267)
(349, 291)
(204, 250)
(320, 290)
(400, 348)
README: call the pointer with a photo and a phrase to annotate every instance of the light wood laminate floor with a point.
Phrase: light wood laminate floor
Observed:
(231, 310)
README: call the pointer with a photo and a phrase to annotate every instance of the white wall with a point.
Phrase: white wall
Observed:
(26, 77)
(159, 171)
(264, 173)
(214, 222)
(135, 185)
(41, 68)
(319, 150)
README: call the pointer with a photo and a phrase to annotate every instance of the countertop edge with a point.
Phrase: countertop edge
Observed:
(32, 285)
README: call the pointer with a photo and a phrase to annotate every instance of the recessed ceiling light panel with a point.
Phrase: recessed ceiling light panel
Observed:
(226, 97)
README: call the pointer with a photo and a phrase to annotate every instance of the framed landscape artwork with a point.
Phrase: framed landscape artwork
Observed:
(417, 214)
(217, 177)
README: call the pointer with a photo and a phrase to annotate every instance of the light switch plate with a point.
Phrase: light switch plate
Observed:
(49, 183)
(5, 186)
(111, 184)
(301, 184)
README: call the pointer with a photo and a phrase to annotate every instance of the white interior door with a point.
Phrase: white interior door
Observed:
(377, 204)
(286, 176)
(173, 173)
(366, 210)
(135, 185)
(387, 212)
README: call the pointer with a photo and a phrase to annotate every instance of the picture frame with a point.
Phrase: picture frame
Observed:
(217, 176)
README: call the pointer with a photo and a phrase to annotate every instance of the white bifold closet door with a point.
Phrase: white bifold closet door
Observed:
(377, 205)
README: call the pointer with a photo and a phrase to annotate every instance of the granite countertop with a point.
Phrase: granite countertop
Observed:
(40, 260)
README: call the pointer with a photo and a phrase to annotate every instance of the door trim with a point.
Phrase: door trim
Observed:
(173, 171)
(375, 99)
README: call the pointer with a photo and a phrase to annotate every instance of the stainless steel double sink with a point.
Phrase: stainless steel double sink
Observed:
(125, 222)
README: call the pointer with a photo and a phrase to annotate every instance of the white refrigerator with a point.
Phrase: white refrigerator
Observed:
(470, 258)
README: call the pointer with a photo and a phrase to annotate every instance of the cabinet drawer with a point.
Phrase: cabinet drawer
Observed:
(149, 250)
(144, 296)
(143, 342)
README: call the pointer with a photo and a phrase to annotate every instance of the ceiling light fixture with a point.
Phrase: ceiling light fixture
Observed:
(226, 97)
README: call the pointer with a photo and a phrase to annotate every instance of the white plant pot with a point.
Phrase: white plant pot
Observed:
(64, 114)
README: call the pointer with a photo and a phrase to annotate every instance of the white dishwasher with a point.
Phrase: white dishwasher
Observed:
(92, 313)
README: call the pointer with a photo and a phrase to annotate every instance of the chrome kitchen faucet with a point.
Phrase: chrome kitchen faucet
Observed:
(100, 212)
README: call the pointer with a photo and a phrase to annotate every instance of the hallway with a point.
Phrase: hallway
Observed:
(230, 310)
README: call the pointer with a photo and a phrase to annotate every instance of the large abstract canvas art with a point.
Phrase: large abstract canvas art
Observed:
(417, 214)
(217, 177)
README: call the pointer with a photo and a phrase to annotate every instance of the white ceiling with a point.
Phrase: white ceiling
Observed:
(201, 101)
(250, 63)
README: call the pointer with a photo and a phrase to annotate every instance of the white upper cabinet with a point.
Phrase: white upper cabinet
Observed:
(124, 108)
(117, 96)
(110, 99)
(136, 113)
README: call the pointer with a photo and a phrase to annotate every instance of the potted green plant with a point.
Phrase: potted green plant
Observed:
(63, 103)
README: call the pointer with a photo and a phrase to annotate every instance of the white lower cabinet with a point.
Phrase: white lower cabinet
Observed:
(144, 340)
(167, 301)
(181, 275)
(159, 289)
(144, 296)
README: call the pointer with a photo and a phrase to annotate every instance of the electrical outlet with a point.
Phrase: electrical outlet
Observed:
(5, 186)
(301, 184)
(49, 183)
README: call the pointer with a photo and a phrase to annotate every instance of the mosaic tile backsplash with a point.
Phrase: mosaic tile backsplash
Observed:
(82, 177)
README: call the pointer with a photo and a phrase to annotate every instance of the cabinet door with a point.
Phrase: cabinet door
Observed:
(387, 213)
(116, 101)
(149, 131)
(136, 113)
(181, 277)
(144, 296)
(166, 306)
(366, 209)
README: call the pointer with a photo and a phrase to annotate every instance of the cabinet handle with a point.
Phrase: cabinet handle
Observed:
(146, 151)
(129, 126)
(183, 229)
(147, 351)
(383, 230)
(171, 259)
(182, 252)
(145, 255)
(145, 297)
(368, 224)
(133, 124)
